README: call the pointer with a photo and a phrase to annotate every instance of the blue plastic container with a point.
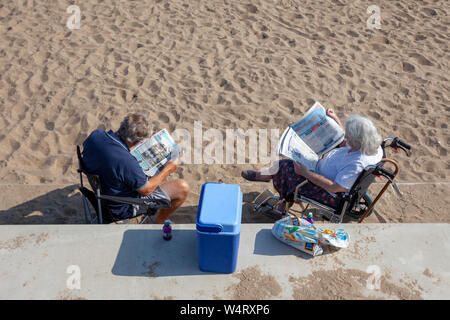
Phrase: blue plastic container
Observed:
(218, 227)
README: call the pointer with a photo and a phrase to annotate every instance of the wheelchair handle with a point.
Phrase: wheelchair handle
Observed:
(397, 144)
(400, 143)
(390, 176)
(386, 173)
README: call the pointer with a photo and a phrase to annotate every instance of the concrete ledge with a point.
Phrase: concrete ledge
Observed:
(411, 261)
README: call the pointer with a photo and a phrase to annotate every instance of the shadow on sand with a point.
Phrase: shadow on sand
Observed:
(65, 206)
(59, 206)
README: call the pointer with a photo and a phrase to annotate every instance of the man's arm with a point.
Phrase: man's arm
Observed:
(318, 179)
(154, 182)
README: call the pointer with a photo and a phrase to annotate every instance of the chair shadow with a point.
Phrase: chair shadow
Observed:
(144, 253)
(65, 206)
(59, 206)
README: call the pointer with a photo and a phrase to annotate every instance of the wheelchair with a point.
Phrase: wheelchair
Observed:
(356, 204)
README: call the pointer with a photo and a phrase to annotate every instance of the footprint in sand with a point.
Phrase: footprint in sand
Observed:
(252, 8)
(99, 39)
(408, 67)
(163, 117)
(421, 59)
(140, 81)
(49, 125)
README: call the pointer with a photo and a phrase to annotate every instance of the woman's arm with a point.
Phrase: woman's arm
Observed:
(333, 115)
(318, 179)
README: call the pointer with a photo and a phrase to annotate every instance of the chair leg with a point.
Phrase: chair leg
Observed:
(100, 214)
(145, 219)
(86, 209)
(304, 210)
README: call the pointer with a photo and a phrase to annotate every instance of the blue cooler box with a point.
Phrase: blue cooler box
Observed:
(219, 227)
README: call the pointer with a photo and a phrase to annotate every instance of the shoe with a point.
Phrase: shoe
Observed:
(250, 175)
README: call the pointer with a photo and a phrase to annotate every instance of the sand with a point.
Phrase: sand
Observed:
(229, 64)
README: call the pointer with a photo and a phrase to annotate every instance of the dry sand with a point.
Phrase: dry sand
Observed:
(230, 64)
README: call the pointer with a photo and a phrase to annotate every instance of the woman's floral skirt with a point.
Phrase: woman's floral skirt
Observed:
(286, 180)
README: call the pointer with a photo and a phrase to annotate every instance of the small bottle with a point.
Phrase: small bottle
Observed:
(167, 230)
(310, 218)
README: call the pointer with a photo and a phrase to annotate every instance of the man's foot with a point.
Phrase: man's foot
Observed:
(252, 175)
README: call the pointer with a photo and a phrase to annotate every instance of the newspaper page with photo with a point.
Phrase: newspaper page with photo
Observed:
(153, 153)
(306, 140)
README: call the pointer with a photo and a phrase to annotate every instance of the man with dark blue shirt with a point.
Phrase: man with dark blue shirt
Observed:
(107, 154)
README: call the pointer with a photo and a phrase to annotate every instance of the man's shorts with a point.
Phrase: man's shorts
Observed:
(158, 199)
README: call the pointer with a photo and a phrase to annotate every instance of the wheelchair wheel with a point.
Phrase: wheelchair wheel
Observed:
(361, 207)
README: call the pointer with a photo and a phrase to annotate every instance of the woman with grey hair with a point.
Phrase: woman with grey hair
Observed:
(336, 172)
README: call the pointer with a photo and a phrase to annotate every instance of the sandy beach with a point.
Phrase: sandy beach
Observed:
(229, 64)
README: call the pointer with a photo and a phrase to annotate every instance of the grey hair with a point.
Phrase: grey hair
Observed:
(133, 128)
(363, 134)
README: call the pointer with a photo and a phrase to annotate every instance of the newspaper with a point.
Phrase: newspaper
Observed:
(153, 153)
(306, 140)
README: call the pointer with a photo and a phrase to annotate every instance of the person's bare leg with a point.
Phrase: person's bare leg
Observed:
(267, 174)
(262, 177)
(177, 190)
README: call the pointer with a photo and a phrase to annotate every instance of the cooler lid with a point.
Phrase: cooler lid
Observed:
(220, 208)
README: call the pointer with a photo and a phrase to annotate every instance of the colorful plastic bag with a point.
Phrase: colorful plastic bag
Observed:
(307, 237)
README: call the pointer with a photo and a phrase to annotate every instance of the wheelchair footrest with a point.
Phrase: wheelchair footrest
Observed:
(266, 203)
(265, 198)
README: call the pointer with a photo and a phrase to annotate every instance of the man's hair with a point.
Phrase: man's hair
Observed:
(363, 132)
(134, 127)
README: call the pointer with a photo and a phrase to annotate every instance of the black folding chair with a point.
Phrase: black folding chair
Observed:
(103, 214)
(356, 204)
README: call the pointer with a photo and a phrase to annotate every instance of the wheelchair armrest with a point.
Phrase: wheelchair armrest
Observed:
(301, 184)
(137, 201)
(343, 198)
(342, 195)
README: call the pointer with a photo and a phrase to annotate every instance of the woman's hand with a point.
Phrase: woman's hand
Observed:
(332, 114)
(300, 169)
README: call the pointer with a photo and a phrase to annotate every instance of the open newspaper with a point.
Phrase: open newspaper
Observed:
(153, 153)
(306, 140)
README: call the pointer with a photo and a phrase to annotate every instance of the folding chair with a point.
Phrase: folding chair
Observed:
(356, 204)
(102, 213)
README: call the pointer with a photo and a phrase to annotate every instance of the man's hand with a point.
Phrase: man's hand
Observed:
(171, 166)
(300, 169)
(154, 182)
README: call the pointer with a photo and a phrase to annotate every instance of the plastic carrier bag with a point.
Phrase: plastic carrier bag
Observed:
(306, 237)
